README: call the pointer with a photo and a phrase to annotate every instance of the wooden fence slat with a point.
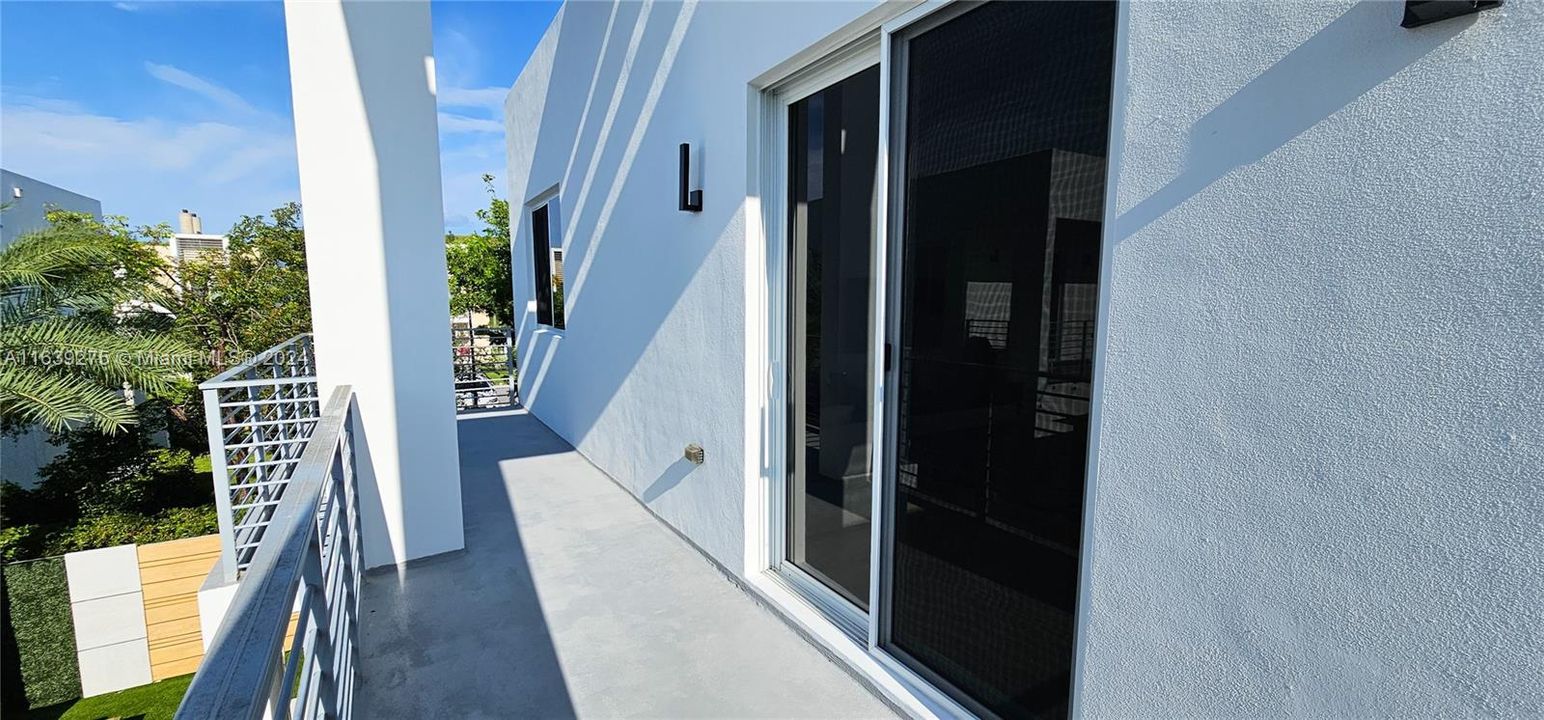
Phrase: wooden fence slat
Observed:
(171, 574)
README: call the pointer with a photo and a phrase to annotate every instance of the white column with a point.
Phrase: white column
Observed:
(362, 74)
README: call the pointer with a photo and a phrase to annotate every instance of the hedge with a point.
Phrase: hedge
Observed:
(45, 635)
(24, 542)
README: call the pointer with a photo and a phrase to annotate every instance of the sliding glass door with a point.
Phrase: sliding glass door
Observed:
(1002, 126)
(833, 139)
(981, 139)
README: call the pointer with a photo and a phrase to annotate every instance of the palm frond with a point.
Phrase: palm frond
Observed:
(148, 362)
(46, 258)
(33, 394)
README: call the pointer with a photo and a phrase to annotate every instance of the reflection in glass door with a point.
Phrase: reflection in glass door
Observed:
(1004, 126)
(833, 138)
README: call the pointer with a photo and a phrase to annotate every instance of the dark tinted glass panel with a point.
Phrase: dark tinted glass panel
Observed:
(1006, 120)
(833, 140)
(541, 260)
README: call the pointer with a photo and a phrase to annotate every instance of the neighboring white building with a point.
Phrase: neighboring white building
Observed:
(27, 202)
(1139, 360)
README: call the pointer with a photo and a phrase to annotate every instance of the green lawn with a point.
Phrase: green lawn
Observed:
(156, 701)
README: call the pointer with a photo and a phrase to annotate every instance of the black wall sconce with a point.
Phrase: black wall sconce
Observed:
(691, 200)
(1426, 12)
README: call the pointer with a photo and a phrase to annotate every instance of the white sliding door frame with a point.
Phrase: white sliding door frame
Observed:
(850, 60)
(857, 637)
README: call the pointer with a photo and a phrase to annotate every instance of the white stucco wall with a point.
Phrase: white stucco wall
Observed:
(368, 149)
(26, 213)
(653, 355)
(1319, 444)
(1321, 453)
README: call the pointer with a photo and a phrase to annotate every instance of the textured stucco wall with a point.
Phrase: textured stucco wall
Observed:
(653, 355)
(1319, 455)
(1321, 462)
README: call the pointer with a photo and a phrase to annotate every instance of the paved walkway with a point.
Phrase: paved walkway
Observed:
(571, 600)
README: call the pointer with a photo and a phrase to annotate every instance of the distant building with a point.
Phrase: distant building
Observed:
(27, 201)
(190, 238)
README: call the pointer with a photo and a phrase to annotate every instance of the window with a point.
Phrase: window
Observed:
(548, 264)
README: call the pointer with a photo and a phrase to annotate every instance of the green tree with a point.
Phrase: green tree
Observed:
(246, 300)
(73, 331)
(478, 263)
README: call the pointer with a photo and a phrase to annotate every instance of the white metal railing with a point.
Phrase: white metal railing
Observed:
(484, 363)
(311, 553)
(259, 415)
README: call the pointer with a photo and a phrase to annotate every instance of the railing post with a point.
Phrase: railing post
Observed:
(320, 609)
(220, 477)
(471, 356)
(509, 362)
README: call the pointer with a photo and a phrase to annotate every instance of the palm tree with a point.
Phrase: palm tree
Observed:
(66, 350)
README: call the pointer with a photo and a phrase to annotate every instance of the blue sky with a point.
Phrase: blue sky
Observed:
(151, 107)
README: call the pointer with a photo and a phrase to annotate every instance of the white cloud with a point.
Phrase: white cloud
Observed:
(457, 59)
(452, 123)
(221, 96)
(227, 160)
(488, 98)
(128, 7)
(148, 168)
(238, 160)
(462, 165)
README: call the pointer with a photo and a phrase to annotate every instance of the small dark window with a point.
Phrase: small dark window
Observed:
(548, 264)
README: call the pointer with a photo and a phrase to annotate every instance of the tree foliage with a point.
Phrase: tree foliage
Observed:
(71, 333)
(107, 486)
(242, 302)
(478, 263)
(101, 291)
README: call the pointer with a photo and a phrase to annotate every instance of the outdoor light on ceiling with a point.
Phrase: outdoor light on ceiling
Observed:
(691, 200)
(1426, 12)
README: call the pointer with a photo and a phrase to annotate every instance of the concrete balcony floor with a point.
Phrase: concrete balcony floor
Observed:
(571, 600)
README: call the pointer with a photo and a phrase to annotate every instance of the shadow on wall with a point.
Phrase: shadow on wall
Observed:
(493, 649)
(372, 515)
(1350, 56)
(671, 477)
(604, 145)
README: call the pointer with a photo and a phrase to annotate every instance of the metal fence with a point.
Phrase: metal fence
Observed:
(484, 364)
(260, 415)
(311, 553)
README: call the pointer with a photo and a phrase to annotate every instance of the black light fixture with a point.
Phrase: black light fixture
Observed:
(1426, 12)
(691, 200)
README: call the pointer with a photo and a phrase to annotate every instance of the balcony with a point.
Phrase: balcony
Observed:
(572, 600)
(569, 600)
